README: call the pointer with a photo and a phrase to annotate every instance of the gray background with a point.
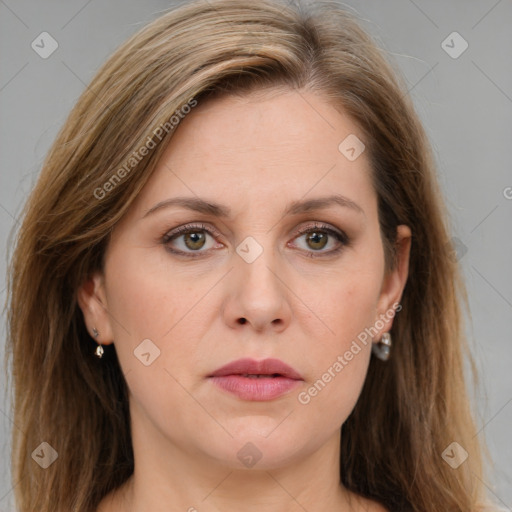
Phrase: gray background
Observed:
(465, 104)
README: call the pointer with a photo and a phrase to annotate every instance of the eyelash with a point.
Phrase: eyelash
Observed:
(193, 228)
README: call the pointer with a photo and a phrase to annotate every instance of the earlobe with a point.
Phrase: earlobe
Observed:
(91, 298)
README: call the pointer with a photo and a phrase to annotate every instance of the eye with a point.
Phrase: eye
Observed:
(190, 239)
(317, 238)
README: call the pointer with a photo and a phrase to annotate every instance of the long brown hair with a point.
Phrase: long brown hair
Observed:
(411, 407)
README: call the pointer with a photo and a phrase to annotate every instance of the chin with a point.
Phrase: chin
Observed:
(257, 446)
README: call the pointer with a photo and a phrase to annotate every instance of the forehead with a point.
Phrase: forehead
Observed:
(277, 145)
(272, 125)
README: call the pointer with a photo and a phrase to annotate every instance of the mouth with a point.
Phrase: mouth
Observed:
(251, 368)
(253, 380)
(261, 376)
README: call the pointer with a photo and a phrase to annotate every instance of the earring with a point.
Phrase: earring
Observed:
(99, 349)
(382, 349)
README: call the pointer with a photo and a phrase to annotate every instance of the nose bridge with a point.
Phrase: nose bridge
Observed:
(257, 261)
(259, 295)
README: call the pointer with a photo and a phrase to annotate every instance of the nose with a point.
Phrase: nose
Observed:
(258, 295)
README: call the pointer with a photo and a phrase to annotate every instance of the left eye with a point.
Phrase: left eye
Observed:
(318, 237)
(193, 238)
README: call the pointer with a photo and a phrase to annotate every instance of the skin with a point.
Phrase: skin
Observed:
(254, 154)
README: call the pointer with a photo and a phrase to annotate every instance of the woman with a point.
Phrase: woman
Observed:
(233, 289)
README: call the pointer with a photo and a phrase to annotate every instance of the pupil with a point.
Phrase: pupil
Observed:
(316, 238)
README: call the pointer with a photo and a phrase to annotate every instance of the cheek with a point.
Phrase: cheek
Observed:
(340, 355)
(149, 300)
(152, 299)
(332, 395)
(148, 297)
(347, 301)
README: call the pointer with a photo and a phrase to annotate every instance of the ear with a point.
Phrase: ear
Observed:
(92, 299)
(394, 281)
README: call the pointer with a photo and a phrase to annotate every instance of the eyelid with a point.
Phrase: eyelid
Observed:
(320, 226)
(190, 227)
(203, 226)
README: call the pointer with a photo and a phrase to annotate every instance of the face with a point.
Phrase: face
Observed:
(261, 269)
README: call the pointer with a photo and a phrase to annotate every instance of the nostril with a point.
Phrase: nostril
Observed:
(243, 320)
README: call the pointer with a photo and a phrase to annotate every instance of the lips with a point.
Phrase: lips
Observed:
(256, 380)
(252, 368)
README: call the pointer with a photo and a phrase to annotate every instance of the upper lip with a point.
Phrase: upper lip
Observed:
(248, 366)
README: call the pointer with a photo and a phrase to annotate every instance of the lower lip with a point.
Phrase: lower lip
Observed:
(259, 388)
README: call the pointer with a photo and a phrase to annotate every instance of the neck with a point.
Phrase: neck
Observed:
(169, 477)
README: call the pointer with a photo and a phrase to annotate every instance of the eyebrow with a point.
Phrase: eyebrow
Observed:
(294, 208)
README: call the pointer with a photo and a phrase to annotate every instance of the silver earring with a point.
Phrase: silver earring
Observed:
(99, 349)
(382, 349)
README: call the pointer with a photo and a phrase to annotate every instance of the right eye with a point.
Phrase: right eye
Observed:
(192, 238)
